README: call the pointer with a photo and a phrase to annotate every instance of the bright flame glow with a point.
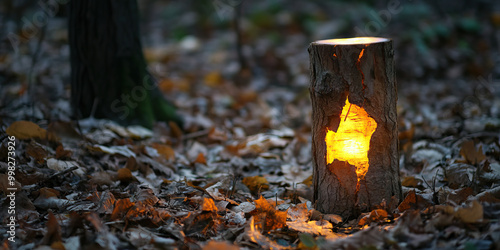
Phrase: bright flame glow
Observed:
(354, 40)
(351, 142)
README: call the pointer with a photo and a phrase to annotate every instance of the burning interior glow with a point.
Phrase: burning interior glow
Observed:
(351, 142)
(354, 40)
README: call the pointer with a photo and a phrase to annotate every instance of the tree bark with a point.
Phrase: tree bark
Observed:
(363, 73)
(109, 77)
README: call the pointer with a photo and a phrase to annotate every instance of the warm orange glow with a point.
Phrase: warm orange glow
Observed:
(354, 40)
(351, 142)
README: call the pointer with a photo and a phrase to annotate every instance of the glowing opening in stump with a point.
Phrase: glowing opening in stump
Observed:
(351, 142)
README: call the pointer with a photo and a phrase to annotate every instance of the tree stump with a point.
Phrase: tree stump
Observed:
(354, 125)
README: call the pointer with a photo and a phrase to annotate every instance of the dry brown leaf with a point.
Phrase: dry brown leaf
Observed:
(62, 154)
(164, 150)
(308, 181)
(36, 151)
(471, 214)
(175, 130)
(53, 233)
(411, 181)
(101, 178)
(26, 130)
(298, 212)
(48, 192)
(267, 216)
(217, 135)
(213, 79)
(200, 159)
(256, 183)
(57, 245)
(413, 201)
(472, 153)
(377, 215)
(219, 245)
(125, 175)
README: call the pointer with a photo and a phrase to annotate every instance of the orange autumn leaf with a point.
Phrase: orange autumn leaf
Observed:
(219, 245)
(256, 183)
(121, 208)
(413, 201)
(213, 79)
(208, 205)
(164, 150)
(267, 216)
(26, 130)
(200, 159)
(125, 175)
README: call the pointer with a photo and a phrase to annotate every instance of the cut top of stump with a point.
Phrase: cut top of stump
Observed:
(352, 41)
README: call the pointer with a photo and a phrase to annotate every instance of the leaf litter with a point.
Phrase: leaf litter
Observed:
(239, 174)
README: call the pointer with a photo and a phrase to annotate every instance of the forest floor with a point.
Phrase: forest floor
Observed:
(238, 175)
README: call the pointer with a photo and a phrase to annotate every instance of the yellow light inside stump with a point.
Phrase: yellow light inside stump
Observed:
(354, 40)
(351, 142)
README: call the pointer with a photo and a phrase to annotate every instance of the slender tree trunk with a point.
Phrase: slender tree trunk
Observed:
(109, 77)
(364, 75)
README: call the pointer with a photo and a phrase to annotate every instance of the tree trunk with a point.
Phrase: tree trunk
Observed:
(109, 77)
(362, 74)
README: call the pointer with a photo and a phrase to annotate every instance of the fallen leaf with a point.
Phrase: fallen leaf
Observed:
(164, 150)
(213, 79)
(24, 130)
(53, 233)
(138, 132)
(63, 165)
(314, 227)
(298, 212)
(121, 208)
(470, 214)
(256, 184)
(200, 159)
(267, 216)
(122, 150)
(411, 181)
(377, 215)
(125, 175)
(36, 151)
(254, 235)
(62, 154)
(101, 178)
(219, 245)
(208, 205)
(472, 153)
(413, 201)
(308, 181)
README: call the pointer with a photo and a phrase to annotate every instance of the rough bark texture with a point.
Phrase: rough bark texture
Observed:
(109, 77)
(370, 84)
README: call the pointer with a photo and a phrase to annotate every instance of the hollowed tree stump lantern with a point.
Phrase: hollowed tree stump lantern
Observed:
(354, 125)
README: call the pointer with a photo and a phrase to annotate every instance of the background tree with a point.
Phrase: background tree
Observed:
(109, 77)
